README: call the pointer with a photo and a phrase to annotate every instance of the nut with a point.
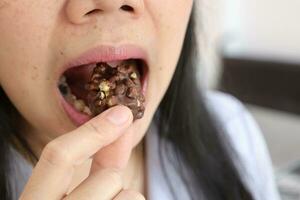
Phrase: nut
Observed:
(104, 87)
(102, 95)
(133, 75)
(138, 103)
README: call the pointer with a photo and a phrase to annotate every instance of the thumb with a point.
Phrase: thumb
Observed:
(115, 155)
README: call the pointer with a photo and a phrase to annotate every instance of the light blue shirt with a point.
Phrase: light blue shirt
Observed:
(246, 140)
(244, 135)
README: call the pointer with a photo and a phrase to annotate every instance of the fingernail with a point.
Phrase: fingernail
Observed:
(118, 115)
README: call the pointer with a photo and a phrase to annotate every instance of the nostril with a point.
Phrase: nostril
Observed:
(95, 11)
(127, 8)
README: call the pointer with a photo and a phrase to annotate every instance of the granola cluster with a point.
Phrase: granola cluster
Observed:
(110, 86)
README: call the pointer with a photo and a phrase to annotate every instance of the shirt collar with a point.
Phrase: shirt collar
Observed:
(157, 160)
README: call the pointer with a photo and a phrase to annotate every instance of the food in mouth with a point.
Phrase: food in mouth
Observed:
(120, 85)
(108, 85)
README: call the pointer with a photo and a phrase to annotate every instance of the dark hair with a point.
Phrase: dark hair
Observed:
(200, 143)
(183, 119)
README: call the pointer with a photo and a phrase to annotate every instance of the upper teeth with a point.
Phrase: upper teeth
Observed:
(62, 80)
(114, 63)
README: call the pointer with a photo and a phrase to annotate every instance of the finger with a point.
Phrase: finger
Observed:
(129, 195)
(54, 170)
(115, 155)
(102, 185)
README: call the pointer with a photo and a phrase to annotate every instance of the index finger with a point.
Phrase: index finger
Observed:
(54, 169)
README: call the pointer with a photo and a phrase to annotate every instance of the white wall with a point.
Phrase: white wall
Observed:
(267, 29)
(209, 18)
(281, 131)
(262, 29)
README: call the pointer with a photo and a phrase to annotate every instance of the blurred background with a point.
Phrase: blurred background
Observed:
(251, 49)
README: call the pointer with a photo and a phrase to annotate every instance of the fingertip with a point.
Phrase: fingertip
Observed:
(119, 115)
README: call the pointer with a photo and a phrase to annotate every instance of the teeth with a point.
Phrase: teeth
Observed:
(62, 80)
(87, 111)
(63, 87)
(92, 65)
(74, 98)
(79, 105)
(114, 63)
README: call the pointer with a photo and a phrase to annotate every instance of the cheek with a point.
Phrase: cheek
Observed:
(170, 37)
(18, 40)
(171, 25)
(172, 22)
(25, 28)
(24, 54)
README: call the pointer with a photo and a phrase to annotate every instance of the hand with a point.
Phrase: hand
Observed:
(52, 174)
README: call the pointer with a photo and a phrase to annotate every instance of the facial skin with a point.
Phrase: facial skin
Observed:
(38, 37)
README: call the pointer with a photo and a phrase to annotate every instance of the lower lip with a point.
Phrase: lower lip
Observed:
(79, 118)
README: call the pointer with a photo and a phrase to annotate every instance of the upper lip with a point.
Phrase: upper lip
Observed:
(106, 53)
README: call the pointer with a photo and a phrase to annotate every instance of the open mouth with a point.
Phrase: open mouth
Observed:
(74, 86)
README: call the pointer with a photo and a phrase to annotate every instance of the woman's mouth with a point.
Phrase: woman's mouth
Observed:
(74, 87)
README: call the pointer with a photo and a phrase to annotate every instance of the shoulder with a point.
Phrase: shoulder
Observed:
(238, 125)
(224, 106)
(19, 173)
(248, 142)
(235, 120)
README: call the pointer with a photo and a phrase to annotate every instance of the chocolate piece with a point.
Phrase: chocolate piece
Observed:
(110, 86)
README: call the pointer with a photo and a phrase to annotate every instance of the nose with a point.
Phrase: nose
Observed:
(82, 11)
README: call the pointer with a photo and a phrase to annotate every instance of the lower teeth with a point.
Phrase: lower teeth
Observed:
(78, 104)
